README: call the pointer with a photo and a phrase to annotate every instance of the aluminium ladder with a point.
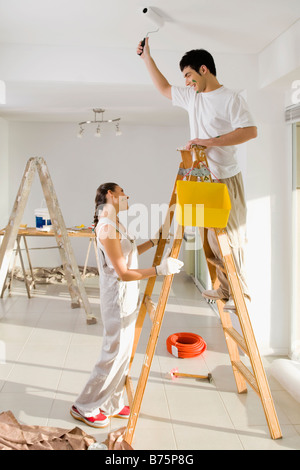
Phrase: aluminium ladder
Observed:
(70, 267)
(246, 342)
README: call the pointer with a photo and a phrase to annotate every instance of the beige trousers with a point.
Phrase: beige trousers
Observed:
(236, 229)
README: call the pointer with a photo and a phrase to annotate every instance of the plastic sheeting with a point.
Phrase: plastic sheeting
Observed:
(16, 436)
(287, 373)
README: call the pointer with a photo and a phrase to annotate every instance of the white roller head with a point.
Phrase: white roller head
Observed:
(153, 17)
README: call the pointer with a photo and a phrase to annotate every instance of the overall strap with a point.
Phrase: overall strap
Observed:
(108, 221)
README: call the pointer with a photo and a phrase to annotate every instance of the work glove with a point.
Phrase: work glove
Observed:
(169, 266)
(157, 237)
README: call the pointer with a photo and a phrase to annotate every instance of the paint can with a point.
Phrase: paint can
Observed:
(42, 217)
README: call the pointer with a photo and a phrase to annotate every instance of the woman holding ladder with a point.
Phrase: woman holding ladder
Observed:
(102, 396)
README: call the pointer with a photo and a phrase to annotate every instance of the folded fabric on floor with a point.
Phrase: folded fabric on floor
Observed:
(51, 275)
(16, 436)
(116, 440)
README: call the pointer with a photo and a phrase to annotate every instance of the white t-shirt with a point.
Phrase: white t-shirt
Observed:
(212, 114)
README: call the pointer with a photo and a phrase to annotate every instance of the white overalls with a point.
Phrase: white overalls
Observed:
(118, 303)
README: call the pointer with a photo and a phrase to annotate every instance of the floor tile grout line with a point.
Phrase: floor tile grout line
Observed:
(218, 391)
(17, 358)
(12, 304)
(169, 411)
(229, 416)
(73, 333)
(243, 434)
(60, 376)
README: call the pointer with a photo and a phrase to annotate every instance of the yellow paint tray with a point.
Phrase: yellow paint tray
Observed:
(202, 204)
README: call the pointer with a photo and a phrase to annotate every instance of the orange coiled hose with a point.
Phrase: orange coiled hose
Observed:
(185, 345)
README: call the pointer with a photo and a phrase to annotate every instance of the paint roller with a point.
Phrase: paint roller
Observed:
(154, 18)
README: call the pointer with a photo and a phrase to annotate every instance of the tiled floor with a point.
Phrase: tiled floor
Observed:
(47, 351)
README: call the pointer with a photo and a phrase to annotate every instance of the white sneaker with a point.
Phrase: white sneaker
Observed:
(99, 421)
(230, 305)
(212, 295)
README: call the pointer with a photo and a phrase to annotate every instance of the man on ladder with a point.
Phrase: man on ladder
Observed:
(219, 120)
(196, 166)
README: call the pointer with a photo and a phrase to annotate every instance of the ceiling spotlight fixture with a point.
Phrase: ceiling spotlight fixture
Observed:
(80, 133)
(99, 122)
(2, 92)
(98, 131)
(118, 132)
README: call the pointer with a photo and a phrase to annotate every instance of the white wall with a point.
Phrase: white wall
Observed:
(281, 57)
(144, 161)
(269, 193)
(268, 183)
(3, 172)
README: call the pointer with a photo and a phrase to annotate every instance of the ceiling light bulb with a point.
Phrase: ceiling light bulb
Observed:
(99, 123)
(118, 132)
(98, 132)
(80, 133)
(2, 92)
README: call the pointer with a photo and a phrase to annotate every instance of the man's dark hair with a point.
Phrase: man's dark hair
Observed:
(196, 58)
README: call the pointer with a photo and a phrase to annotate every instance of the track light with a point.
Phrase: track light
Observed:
(2, 92)
(118, 132)
(98, 122)
(80, 133)
(98, 132)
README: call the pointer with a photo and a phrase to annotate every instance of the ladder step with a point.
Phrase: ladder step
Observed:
(129, 390)
(217, 263)
(150, 307)
(246, 374)
(237, 338)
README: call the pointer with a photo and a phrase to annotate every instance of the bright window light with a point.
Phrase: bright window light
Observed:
(2, 92)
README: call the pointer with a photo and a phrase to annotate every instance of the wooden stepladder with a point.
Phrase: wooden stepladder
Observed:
(197, 169)
(74, 281)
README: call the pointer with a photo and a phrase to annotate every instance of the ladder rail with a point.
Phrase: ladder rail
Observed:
(212, 265)
(248, 333)
(12, 228)
(151, 346)
(74, 281)
(76, 288)
(185, 164)
(234, 340)
(241, 376)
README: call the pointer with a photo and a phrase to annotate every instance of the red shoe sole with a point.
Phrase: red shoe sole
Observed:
(89, 423)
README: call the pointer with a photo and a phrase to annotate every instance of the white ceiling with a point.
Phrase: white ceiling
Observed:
(223, 27)
(228, 26)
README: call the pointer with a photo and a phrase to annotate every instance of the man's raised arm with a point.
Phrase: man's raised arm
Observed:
(159, 81)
